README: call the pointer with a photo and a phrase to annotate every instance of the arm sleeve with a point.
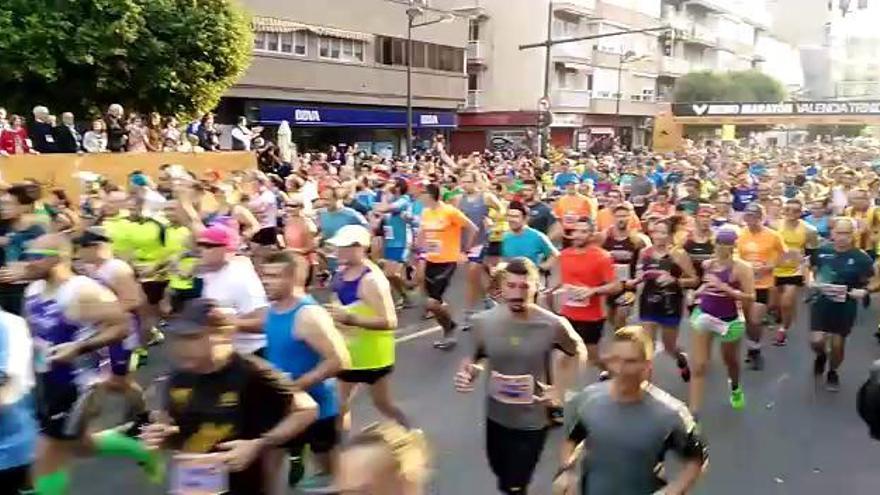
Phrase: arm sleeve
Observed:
(684, 439)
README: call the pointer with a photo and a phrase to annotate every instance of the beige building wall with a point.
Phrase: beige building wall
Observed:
(310, 78)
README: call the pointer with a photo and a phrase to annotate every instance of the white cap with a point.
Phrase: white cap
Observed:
(351, 235)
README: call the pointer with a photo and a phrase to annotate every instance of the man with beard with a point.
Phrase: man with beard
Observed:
(540, 214)
(624, 245)
(19, 228)
(514, 341)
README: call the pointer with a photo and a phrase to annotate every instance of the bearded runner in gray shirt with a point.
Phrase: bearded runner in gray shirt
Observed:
(626, 426)
(516, 340)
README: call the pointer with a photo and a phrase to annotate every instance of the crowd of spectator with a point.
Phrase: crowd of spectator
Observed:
(117, 132)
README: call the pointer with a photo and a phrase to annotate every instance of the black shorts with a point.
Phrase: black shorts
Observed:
(612, 303)
(179, 297)
(762, 296)
(590, 331)
(321, 437)
(493, 249)
(364, 376)
(437, 278)
(154, 290)
(829, 319)
(513, 455)
(266, 236)
(62, 411)
(797, 280)
(16, 480)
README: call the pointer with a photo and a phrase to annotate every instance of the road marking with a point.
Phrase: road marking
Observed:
(420, 333)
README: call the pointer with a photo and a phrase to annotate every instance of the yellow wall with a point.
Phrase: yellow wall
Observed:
(668, 133)
(59, 170)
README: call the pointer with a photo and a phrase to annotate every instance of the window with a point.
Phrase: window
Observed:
(473, 81)
(418, 59)
(259, 40)
(272, 42)
(565, 27)
(474, 30)
(293, 42)
(383, 50)
(398, 54)
(286, 42)
(392, 51)
(342, 49)
(299, 42)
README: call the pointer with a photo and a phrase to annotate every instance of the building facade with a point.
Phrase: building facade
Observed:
(598, 89)
(336, 71)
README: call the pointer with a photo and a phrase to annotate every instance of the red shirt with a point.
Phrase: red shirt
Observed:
(588, 267)
(14, 141)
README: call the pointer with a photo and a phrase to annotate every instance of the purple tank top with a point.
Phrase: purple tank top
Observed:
(720, 305)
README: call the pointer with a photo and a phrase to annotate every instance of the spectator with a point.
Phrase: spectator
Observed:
(67, 138)
(268, 160)
(4, 124)
(209, 136)
(154, 132)
(40, 133)
(242, 136)
(95, 140)
(137, 135)
(14, 139)
(117, 134)
(171, 135)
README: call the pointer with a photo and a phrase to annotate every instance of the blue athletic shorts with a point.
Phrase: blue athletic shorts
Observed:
(396, 254)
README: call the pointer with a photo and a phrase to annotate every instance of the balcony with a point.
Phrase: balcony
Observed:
(577, 51)
(473, 98)
(582, 8)
(700, 34)
(476, 53)
(673, 66)
(628, 106)
(571, 98)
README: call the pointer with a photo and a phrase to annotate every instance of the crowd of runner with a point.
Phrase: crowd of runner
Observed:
(277, 298)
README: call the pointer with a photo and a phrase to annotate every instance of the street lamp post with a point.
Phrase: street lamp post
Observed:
(411, 14)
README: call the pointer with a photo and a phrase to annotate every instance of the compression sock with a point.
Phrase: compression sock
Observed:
(112, 443)
(52, 484)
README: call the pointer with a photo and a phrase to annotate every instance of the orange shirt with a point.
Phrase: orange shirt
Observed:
(570, 207)
(442, 228)
(590, 267)
(605, 219)
(761, 250)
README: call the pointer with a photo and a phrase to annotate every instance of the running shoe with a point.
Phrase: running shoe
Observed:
(319, 483)
(737, 398)
(555, 413)
(445, 344)
(683, 369)
(832, 381)
(604, 375)
(154, 468)
(755, 359)
(819, 364)
(296, 472)
(156, 337)
(780, 339)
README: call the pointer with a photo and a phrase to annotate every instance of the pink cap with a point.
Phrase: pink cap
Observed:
(219, 235)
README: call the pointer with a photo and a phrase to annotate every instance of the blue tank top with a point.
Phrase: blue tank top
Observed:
(295, 357)
(347, 290)
(476, 211)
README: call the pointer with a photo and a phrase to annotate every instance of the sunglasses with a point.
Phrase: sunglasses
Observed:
(209, 245)
(39, 254)
(294, 205)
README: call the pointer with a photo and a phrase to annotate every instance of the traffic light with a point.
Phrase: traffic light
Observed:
(669, 43)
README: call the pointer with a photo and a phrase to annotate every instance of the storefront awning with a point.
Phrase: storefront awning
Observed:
(601, 130)
(381, 118)
(276, 25)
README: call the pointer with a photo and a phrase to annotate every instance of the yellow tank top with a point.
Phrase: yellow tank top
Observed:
(795, 240)
(866, 223)
(499, 224)
(369, 349)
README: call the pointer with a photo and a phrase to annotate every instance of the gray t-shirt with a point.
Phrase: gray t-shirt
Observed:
(626, 441)
(518, 352)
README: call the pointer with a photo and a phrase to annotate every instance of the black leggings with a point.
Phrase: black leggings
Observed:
(15, 480)
(513, 455)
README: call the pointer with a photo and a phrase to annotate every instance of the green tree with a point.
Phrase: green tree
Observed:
(737, 86)
(170, 56)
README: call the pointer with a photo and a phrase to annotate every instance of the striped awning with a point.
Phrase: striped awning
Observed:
(275, 25)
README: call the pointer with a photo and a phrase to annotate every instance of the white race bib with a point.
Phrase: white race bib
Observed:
(512, 389)
(475, 251)
(621, 272)
(836, 293)
(389, 232)
(198, 474)
(433, 247)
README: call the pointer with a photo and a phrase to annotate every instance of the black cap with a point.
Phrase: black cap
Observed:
(92, 236)
(194, 318)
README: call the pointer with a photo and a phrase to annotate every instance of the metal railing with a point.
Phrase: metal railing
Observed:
(473, 98)
(573, 98)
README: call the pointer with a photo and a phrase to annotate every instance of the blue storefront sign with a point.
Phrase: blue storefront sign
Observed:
(311, 116)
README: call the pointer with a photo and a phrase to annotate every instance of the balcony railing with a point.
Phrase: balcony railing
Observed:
(674, 66)
(579, 50)
(475, 52)
(473, 98)
(571, 98)
(576, 7)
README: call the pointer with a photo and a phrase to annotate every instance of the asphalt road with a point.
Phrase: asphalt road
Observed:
(792, 437)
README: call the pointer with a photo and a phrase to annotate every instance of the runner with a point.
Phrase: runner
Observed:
(819, 217)
(665, 271)
(540, 214)
(264, 205)
(726, 283)
(363, 310)
(606, 218)
(71, 318)
(630, 425)
(700, 244)
(97, 256)
(840, 275)
(19, 227)
(515, 341)
(568, 209)
(385, 459)
(397, 237)
(303, 342)
(800, 239)
(762, 248)
(524, 241)
(444, 232)
(624, 245)
(18, 427)
(181, 257)
(223, 415)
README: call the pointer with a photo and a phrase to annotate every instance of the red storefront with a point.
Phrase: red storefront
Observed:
(493, 130)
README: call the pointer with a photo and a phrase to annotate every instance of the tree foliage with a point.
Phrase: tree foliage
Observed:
(738, 86)
(170, 56)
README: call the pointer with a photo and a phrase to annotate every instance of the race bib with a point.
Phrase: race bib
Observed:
(621, 272)
(836, 293)
(512, 389)
(389, 232)
(566, 298)
(475, 251)
(198, 474)
(433, 247)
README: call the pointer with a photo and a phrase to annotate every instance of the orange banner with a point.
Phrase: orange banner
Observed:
(60, 170)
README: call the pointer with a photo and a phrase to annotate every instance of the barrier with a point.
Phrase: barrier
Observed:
(59, 170)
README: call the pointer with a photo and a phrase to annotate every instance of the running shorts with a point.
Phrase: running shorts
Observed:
(513, 455)
(590, 331)
(762, 296)
(736, 326)
(266, 236)
(797, 280)
(437, 278)
(836, 319)
(321, 437)
(154, 290)
(493, 249)
(395, 254)
(62, 409)
(476, 253)
(369, 376)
